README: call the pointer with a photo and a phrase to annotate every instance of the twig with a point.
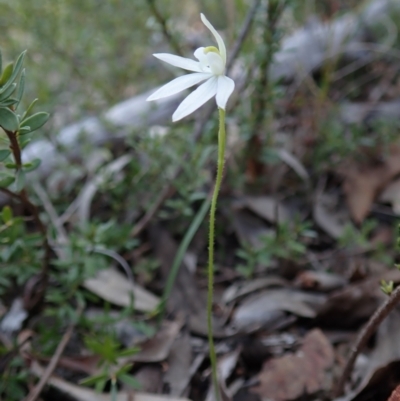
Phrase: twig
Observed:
(163, 23)
(169, 189)
(35, 392)
(368, 330)
(23, 197)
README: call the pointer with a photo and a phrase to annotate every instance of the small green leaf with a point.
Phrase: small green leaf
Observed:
(20, 180)
(4, 153)
(11, 166)
(8, 119)
(6, 214)
(6, 73)
(29, 109)
(15, 71)
(33, 165)
(21, 87)
(36, 121)
(8, 92)
(91, 380)
(8, 102)
(24, 130)
(6, 180)
(130, 381)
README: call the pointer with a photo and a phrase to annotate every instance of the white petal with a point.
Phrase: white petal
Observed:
(196, 99)
(178, 85)
(225, 88)
(221, 44)
(202, 57)
(216, 63)
(181, 62)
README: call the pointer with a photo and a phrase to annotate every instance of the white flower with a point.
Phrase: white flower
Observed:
(210, 67)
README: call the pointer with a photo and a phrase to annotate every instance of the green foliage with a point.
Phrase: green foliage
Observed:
(287, 243)
(109, 350)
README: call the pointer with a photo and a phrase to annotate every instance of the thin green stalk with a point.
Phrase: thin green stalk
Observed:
(187, 239)
(218, 180)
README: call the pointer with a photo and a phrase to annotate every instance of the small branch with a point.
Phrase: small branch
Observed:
(24, 199)
(365, 334)
(163, 23)
(14, 146)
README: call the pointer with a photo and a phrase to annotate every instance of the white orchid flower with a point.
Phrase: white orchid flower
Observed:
(210, 67)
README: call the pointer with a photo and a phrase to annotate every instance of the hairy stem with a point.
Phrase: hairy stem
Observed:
(218, 180)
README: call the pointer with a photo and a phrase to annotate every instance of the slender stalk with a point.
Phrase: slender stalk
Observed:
(187, 239)
(218, 180)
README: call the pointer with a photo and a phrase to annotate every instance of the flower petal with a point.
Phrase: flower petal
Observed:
(202, 57)
(225, 88)
(221, 44)
(196, 99)
(216, 63)
(178, 85)
(181, 62)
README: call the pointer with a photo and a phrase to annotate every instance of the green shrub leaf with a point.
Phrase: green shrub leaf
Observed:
(8, 119)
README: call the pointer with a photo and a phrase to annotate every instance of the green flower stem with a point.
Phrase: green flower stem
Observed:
(218, 180)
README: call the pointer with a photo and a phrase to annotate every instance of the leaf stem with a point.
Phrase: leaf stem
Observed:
(218, 180)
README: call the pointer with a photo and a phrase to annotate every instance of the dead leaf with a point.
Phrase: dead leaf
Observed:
(395, 396)
(114, 287)
(329, 215)
(363, 183)
(158, 348)
(293, 375)
(268, 208)
(86, 394)
(320, 281)
(238, 290)
(179, 360)
(356, 302)
(249, 229)
(391, 195)
(263, 309)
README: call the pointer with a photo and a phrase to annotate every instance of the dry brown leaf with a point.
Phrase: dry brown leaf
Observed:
(291, 376)
(395, 396)
(363, 183)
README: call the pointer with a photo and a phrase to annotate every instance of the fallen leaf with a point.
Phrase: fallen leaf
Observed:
(177, 377)
(391, 195)
(320, 281)
(355, 303)
(363, 183)
(294, 375)
(329, 216)
(86, 394)
(114, 287)
(395, 396)
(157, 349)
(263, 309)
(267, 207)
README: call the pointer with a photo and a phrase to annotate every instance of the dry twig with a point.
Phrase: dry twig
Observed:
(365, 334)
